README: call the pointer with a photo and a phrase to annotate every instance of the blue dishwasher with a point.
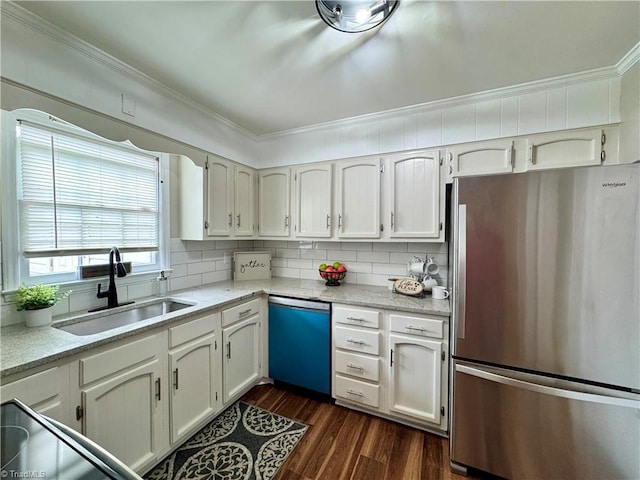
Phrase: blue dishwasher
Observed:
(300, 343)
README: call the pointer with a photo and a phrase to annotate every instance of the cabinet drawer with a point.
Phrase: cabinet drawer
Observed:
(240, 312)
(33, 389)
(357, 316)
(357, 391)
(357, 340)
(192, 330)
(111, 361)
(424, 327)
(358, 365)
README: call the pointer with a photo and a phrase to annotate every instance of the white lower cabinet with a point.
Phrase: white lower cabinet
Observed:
(123, 406)
(415, 375)
(241, 349)
(393, 365)
(195, 375)
(46, 392)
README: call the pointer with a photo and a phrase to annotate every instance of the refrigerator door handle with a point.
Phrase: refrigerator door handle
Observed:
(461, 266)
(547, 390)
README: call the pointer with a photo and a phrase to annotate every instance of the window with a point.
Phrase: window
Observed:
(77, 195)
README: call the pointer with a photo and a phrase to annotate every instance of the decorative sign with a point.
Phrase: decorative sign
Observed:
(251, 265)
(408, 286)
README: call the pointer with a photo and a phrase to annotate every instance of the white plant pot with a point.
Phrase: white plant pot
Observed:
(38, 318)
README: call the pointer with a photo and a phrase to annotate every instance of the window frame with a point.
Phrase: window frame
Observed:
(15, 265)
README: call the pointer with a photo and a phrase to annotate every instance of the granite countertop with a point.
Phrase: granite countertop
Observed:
(24, 348)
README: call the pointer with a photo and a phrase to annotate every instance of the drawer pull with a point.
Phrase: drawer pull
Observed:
(356, 319)
(355, 367)
(245, 312)
(420, 329)
(357, 342)
(357, 394)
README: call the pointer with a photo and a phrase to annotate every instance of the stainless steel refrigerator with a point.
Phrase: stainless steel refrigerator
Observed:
(546, 324)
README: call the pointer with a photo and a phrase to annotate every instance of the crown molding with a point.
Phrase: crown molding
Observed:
(38, 24)
(604, 73)
(629, 60)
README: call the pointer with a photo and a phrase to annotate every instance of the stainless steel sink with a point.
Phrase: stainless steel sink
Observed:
(109, 320)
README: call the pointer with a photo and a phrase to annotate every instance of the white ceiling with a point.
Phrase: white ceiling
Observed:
(271, 66)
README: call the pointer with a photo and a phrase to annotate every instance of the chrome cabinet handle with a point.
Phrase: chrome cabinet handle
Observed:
(286, 220)
(230, 219)
(158, 389)
(175, 379)
(392, 220)
(357, 342)
(356, 319)
(244, 312)
(355, 367)
(238, 220)
(328, 221)
(339, 221)
(357, 394)
(419, 329)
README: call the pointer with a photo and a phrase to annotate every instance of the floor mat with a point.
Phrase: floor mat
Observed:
(243, 443)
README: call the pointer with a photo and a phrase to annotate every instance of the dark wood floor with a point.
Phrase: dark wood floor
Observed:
(346, 444)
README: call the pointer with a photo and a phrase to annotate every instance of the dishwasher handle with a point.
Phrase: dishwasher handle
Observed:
(298, 303)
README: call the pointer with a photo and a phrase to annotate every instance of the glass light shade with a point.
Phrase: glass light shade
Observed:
(353, 16)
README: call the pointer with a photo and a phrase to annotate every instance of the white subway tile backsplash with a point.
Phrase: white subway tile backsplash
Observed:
(189, 281)
(286, 272)
(360, 246)
(178, 270)
(390, 269)
(356, 267)
(218, 276)
(313, 254)
(200, 245)
(178, 245)
(201, 267)
(140, 290)
(377, 257)
(372, 279)
(342, 255)
(278, 262)
(299, 263)
(226, 244)
(287, 253)
(390, 247)
(186, 257)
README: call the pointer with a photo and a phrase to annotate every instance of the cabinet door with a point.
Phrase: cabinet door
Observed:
(314, 191)
(123, 415)
(415, 373)
(244, 201)
(273, 202)
(565, 149)
(482, 158)
(415, 196)
(359, 199)
(220, 197)
(241, 362)
(194, 372)
(45, 392)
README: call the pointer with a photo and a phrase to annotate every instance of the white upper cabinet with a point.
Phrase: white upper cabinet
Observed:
(565, 149)
(219, 174)
(273, 202)
(217, 200)
(358, 198)
(480, 158)
(313, 201)
(414, 195)
(244, 201)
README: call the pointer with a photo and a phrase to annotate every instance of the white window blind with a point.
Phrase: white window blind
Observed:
(78, 195)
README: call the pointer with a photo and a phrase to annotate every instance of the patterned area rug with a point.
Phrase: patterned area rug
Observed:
(245, 442)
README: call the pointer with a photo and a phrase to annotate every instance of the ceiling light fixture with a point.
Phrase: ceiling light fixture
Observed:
(353, 16)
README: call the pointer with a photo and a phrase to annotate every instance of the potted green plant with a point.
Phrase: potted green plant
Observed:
(37, 302)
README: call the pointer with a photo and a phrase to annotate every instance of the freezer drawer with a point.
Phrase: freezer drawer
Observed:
(514, 428)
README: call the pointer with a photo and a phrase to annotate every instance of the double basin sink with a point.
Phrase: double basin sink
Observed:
(108, 320)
